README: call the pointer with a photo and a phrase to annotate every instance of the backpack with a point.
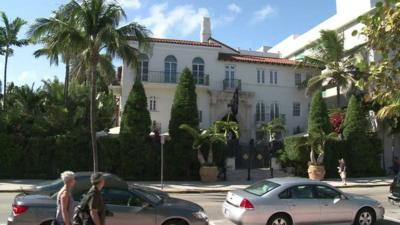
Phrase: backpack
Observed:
(81, 212)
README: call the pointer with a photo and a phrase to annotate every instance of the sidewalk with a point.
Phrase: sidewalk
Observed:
(199, 187)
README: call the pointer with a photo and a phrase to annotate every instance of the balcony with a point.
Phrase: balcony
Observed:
(166, 77)
(231, 85)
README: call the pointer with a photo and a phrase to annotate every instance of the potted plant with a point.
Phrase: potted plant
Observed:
(317, 142)
(217, 132)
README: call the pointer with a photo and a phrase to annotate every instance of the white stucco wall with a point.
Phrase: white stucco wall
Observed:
(284, 92)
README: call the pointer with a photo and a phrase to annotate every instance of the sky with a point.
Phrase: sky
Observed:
(247, 24)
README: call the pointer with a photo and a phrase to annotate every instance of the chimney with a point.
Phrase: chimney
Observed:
(205, 32)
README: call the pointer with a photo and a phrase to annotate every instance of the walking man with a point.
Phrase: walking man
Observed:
(97, 209)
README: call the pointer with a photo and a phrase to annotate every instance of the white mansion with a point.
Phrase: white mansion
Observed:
(268, 84)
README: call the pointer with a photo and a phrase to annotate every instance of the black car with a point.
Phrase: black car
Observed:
(394, 196)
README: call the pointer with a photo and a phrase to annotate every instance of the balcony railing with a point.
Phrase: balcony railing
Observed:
(169, 77)
(232, 84)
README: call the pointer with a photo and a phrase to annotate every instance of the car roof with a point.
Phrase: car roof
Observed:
(283, 181)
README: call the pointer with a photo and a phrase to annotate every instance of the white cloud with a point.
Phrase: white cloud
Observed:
(133, 4)
(180, 21)
(234, 8)
(29, 77)
(262, 14)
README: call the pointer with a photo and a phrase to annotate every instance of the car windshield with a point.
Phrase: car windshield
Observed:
(151, 196)
(50, 183)
(261, 188)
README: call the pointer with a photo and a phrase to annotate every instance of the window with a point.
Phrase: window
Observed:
(198, 70)
(297, 79)
(261, 188)
(260, 76)
(273, 77)
(121, 197)
(274, 110)
(170, 68)
(302, 192)
(296, 109)
(324, 192)
(200, 116)
(230, 76)
(143, 67)
(286, 194)
(153, 103)
(260, 111)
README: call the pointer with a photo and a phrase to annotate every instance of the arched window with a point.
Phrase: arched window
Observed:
(143, 67)
(170, 69)
(198, 70)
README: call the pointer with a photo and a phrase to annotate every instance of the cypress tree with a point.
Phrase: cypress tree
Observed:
(364, 148)
(135, 129)
(181, 162)
(355, 123)
(318, 118)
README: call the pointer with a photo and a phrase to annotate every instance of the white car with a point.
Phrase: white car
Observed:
(289, 201)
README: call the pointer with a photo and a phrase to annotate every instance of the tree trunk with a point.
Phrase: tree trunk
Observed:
(210, 157)
(5, 79)
(66, 81)
(338, 96)
(200, 157)
(93, 112)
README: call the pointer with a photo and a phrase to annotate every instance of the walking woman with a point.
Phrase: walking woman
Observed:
(65, 202)
(342, 170)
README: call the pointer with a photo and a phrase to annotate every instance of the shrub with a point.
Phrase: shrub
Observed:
(295, 154)
(181, 160)
(134, 135)
(318, 118)
(364, 148)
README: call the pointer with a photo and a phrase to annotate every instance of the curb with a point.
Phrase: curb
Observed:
(200, 191)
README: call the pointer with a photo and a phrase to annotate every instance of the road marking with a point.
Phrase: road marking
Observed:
(392, 219)
(218, 222)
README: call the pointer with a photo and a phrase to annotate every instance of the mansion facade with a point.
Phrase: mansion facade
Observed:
(268, 85)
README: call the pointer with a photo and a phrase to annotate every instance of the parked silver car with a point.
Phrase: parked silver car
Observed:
(128, 205)
(289, 201)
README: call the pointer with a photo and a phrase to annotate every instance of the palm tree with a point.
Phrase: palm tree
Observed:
(9, 38)
(217, 132)
(56, 42)
(328, 53)
(96, 28)
(274, 126)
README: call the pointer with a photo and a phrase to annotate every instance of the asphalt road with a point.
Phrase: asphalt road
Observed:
(212, 202)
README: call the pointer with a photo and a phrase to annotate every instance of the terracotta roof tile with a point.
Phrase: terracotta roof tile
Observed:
(255, 59)
(184, 42)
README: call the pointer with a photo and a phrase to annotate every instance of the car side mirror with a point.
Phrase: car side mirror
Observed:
(336, 200)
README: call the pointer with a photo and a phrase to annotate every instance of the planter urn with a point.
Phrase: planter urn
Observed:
(316, 172)
(209, 173)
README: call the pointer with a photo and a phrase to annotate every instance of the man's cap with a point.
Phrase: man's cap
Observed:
(96, 178)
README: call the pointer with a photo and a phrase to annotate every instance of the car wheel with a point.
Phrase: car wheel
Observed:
(280, 219)
(46, 222)
(175, 222)
(365, 217)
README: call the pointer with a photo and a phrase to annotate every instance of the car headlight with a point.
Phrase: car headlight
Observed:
(201, 215)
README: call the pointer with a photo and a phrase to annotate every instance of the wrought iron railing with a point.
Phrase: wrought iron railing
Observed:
(171, 77)
(232, 84)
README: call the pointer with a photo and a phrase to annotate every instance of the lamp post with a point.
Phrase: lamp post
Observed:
(163, 138)
(251, 147)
